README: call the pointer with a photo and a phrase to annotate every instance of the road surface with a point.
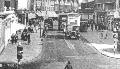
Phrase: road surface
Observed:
(57, 51)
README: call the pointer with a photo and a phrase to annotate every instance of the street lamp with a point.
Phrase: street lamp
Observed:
(40, 26)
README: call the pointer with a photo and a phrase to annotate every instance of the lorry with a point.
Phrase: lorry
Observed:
(72, 27)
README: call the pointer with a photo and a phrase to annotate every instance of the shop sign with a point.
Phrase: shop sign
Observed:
(39, 3)
(89, 5)
(56, 7)
(86, 11)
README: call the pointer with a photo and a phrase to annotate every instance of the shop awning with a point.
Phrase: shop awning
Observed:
(51, 14)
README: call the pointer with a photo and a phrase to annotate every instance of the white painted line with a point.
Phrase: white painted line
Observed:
(70, 45)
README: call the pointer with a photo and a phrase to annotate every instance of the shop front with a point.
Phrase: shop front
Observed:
(101, 19)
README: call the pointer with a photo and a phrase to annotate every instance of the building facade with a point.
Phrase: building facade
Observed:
(104, 12)
(44, 5)
(56, 5)
(10, 4)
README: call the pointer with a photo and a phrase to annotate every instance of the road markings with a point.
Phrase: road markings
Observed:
(70, 45)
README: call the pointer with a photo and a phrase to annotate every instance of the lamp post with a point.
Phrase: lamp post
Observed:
(40, 26)
(59, 6)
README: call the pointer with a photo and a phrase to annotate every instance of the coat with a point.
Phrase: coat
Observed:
(68, 66)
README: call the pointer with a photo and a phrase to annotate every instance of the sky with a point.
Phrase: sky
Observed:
(22, 4)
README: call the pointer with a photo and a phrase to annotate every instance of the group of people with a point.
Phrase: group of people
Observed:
(38, 24)
(14, 38)
(25, 36)
(96, 26)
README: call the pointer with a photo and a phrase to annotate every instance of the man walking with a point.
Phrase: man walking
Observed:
(68, 66)
(12, 39)
(28, 38)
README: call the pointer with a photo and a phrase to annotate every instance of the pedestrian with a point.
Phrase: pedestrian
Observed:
(46, 28)
(28, 38)
(25, 30)
(44, 33)
(30, 22)
(25, 36)
(96, 28)
(62, 27)
(22, 36)
(29, 29)
(92, 25)
(12, 39)
(16, 38)
(68, 66)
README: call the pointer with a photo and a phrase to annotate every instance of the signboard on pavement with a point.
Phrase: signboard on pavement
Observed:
(0, 65)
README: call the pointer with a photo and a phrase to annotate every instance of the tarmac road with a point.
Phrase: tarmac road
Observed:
(57, 50)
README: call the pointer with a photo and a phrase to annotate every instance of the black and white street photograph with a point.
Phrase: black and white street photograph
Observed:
(59, 34)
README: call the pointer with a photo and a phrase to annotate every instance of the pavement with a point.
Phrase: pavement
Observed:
(29, 51)
(104, 46)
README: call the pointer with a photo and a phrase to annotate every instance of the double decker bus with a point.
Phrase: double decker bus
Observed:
(73, 25)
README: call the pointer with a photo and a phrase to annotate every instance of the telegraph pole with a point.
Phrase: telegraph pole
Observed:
(34, 5)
